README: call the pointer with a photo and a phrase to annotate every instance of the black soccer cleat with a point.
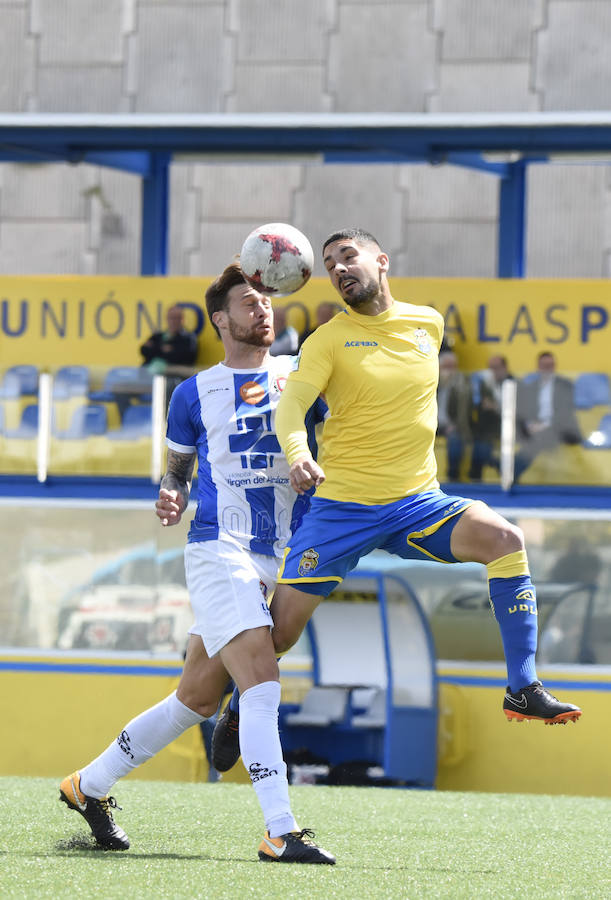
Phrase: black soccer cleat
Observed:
(96, 813)
(534, 702)
(226, 741)
(294, 847)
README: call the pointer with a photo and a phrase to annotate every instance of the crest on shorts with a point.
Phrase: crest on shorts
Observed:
(423, 341)
(308, 562)
(263, 589)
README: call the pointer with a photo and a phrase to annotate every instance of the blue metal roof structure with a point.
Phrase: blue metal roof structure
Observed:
(501, 144)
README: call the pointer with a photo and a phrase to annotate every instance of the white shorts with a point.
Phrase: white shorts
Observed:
(229, 587)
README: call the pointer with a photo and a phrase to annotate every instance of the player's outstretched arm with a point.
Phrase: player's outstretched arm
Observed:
(295, 401)
(175, 487)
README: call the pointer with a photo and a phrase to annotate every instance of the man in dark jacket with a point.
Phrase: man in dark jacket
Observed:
(486, 415)
(172, 352)
(173, 347)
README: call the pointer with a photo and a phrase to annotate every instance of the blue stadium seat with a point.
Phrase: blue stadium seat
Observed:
(28, 427)
(600, 439)
(592, 389)
(20, 381)
(86, 421)
(137, 422)
(71, 381)
(128, 379)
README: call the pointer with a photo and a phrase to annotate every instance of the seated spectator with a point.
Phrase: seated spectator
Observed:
(454, 410)
(486, 415)
(172, 352)
(286, 342)
(545, 413)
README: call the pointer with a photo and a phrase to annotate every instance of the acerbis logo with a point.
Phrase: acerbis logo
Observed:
(361, 344)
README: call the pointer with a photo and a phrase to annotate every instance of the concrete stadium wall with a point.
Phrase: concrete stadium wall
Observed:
(219, 56)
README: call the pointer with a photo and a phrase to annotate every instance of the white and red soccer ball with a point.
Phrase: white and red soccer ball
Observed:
(277, 259)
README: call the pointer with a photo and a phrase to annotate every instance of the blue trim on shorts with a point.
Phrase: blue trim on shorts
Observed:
(334, 535)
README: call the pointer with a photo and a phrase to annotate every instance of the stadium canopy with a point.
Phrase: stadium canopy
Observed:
(502, 144)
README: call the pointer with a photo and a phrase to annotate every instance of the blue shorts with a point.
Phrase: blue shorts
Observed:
(333, 536)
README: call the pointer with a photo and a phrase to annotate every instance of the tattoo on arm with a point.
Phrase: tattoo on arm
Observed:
(179, 474)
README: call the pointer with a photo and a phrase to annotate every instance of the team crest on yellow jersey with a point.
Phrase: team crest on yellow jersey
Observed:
(308, 562)
(423, 341)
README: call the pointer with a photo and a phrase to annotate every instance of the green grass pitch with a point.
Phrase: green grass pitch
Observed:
(200, 841)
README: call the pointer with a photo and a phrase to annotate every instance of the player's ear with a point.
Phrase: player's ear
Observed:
(383, 262)
(219, 318)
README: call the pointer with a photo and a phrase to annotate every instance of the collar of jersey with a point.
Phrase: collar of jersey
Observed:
(373, 320)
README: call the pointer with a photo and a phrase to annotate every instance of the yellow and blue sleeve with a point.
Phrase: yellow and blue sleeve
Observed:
(296, 399)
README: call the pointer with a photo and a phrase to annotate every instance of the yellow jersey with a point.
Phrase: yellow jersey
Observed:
(379, 378)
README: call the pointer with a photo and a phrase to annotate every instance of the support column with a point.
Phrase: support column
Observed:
(154, 240)
(512, 221)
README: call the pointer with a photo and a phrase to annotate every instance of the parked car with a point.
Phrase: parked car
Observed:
(138, 602)
(574, 624)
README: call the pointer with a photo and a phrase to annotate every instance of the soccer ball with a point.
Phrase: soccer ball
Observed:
(277, 259)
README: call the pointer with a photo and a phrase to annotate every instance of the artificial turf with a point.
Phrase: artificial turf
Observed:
(200, 840)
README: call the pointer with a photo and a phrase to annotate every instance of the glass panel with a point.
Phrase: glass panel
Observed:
(563, 425)
(102, 421)
(101, 425)
(570, 562)
(104, 577)
(93, 578)
(18, 419)
(564, 437)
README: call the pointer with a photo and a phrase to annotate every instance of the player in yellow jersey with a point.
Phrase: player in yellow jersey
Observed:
(376, 363)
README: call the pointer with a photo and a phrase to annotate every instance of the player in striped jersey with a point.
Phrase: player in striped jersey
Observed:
(246, 508)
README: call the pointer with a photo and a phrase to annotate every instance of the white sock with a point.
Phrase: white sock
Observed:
(141, 739)
(262, 755)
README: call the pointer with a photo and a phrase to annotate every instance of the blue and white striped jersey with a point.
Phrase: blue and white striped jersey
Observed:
(227, 416)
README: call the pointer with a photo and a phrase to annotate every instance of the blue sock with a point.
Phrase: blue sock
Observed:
(234, 701)
(515, 606)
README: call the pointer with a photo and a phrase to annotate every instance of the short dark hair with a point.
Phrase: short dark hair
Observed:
(352, 234)
(217, 294)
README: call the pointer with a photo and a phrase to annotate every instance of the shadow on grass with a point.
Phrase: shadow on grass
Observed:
(83, 845)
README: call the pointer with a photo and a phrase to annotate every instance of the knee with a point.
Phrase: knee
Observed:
(205, 707)
(507, 538)
(282, 641)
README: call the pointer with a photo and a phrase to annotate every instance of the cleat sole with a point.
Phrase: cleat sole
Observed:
(562, 719)
(267, 857)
